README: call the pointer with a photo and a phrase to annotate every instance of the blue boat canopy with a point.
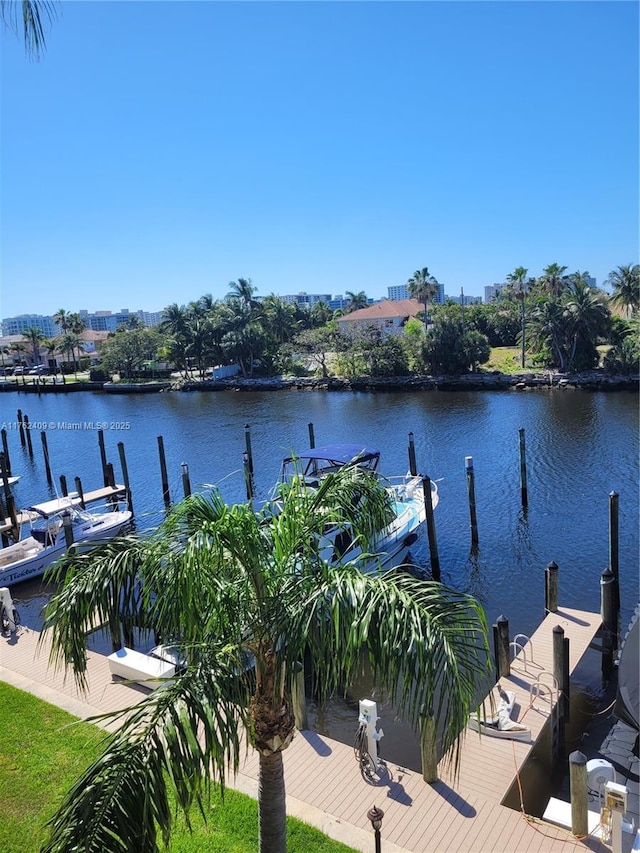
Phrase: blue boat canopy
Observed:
(338, 454)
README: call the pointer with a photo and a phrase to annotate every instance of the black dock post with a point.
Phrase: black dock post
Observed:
(614, 565)
(247, 441)
(248, 480)
(5, 450)
(471, 490)
(186, 482)
(431, 529)
(27, 432)
(63, 486)
(163, 472)
(524, 496)
(312, 437)
(21, 427)
(9, 499)
(609, 614)
(45, 452)
(68, 529)
(103, 457)
(413, 468)
(551, 588)
(501, 647)
(125, 476)
(78, 483)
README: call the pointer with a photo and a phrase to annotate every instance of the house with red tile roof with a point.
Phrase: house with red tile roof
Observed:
(390, 315)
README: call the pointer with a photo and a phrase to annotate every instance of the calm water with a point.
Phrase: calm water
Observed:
(580, 447)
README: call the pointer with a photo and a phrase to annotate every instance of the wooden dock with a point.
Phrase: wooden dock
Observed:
(325, 786)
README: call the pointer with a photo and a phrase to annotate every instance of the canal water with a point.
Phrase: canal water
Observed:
(580, 447)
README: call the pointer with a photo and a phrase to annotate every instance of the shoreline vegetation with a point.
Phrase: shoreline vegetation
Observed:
(596, 380)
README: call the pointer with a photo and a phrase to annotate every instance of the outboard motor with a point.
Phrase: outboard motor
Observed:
(9, 618)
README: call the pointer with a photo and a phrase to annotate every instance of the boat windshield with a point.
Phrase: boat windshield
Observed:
(319, 461)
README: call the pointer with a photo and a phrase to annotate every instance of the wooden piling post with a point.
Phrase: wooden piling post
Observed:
(566, 687)
(247, 441)
(524, 497)
(413, 468)
(103, 457)
(551, 588)
(561, 674)
(431, 529)
(471, 491)
(312, 437)
(614, 510)
(248, 480)
(27, 432)
(9, 499)
(428, 746)
(68, 529)
(21, 428)
(45, 453)
(63, 486)
(579, 794)
(125, 476)
(609, 614)
(163, 472)
(5, 450)
(186, 482)
(299, 699)
(501, 647)
(78, 483)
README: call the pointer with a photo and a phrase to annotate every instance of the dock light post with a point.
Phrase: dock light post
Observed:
(375, 815)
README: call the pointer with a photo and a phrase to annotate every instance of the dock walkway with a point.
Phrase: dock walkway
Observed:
(26, 515)
(324, 784)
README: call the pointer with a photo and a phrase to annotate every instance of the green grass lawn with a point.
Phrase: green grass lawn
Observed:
(505, 360)
(43, 750)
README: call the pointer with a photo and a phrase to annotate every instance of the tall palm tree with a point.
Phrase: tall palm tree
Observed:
(69, 344)
(548, 331)
(243, 290)
(423, 287)
(33, 14)
(18, 349)
(249, 597)
(517, 280)
(60, 319)
(625, 283)
(355, 301)
(35, 337)
(588, 318)
(553, 281)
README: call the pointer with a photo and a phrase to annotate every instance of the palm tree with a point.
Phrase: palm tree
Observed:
(625, 283)
(18, 348)
(69, 344)
(553, 282)
(249, 597)
(60, 318)
(517, 280)
(243, 290)
(33, 14)
(355, 301)
(423, 287)
(35, 337)
(588, 318)
(547, 331)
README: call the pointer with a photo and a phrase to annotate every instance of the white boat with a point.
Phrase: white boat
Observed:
(392, 544)
(46, 541)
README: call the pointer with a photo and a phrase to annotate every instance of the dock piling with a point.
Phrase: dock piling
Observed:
(248, 479)
(103, 457)
(68, 529)
(78, 483)
(614, 510)
(431, 529)
(609, 613)
(5, 450)
(45, 453)
(63, 486)
(579, 794)
(501, 647)
(312, 436)
(9, 499)
(21, 428)
(551, 588)
(471, 491)
(125, 476)
(186, 482)
(163, 472)
(27, 433)
(247, 441)
(524, 496)
(413, 468)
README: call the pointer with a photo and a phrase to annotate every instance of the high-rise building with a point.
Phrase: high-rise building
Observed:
(401, 291)
(18, 325)
(491, 291)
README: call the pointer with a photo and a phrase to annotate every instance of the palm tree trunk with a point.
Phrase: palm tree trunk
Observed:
(272, 811)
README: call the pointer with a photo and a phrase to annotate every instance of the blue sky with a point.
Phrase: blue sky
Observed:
(160, 150)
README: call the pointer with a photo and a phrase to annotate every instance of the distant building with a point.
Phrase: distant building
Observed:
(465, 300)
(401, 291)
(308, 300)
(18, 325)
(390, 315)
(492, 291)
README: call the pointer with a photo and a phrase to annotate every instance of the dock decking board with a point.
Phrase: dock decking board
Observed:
(323, 778)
